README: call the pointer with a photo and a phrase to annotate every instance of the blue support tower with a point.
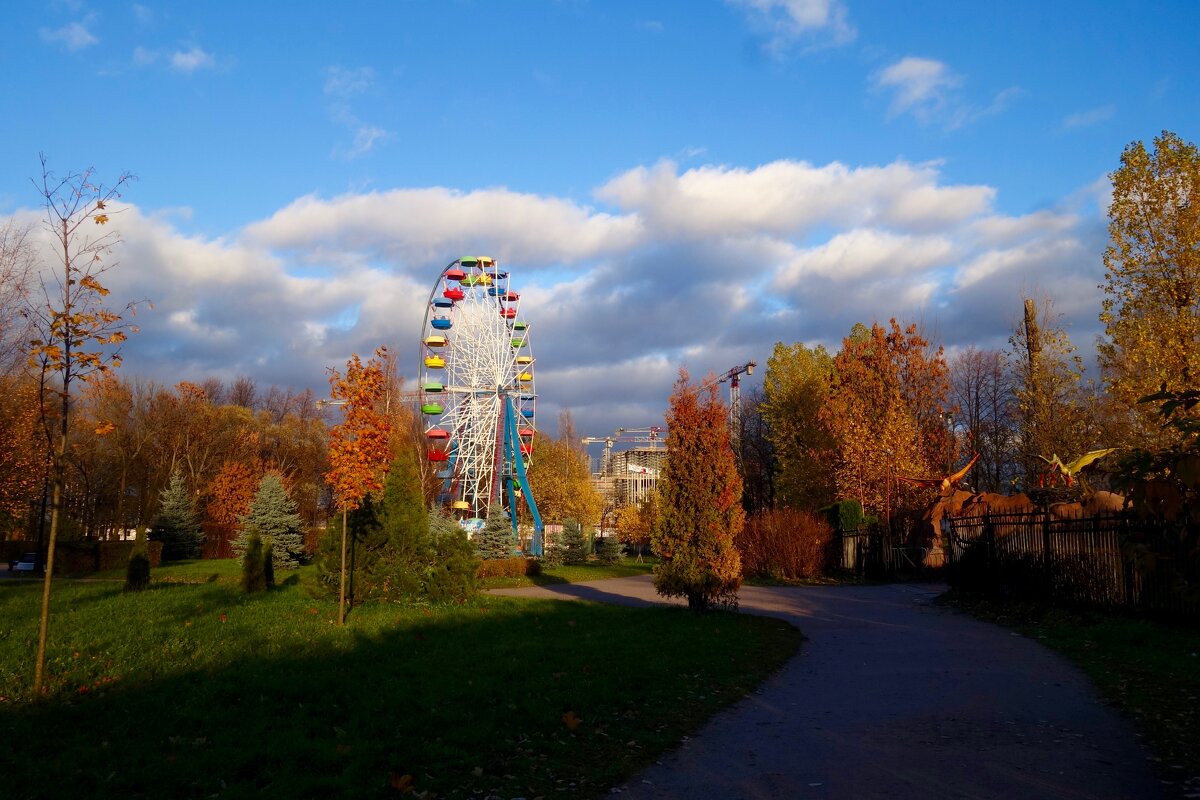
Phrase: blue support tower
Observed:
(512, 446)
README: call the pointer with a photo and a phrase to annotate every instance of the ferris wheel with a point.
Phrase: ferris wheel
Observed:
(477, 393)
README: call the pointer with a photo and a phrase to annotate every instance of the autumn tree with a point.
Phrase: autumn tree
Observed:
(22, 454)
(885, 412)
(77, 336)
(701, 511)
(981, 389)
(1052, 403)
(231, 492)
(17, 273)
(22, 460)
(758, 461)
(635, 523)
(1151, 309)
(796, 384)
(359, 446)
(562, 483)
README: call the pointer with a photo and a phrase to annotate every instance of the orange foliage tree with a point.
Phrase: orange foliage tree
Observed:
(885, 411)
(701, 510)
(359, 446)
(22, 458)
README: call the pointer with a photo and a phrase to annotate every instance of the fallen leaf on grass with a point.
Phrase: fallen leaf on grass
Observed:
(401, 783)
(571, 720)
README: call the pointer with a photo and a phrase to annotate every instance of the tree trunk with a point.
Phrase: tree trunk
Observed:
(55, 515)
(342, 586)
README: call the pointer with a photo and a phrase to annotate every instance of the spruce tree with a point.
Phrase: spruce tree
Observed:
(574, 545)
(552, 550)
(177, 526)
(496, 539)
(273, 517)
(608, 549)
(701, 510)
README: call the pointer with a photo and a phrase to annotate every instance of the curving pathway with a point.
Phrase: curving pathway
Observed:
(893, 697)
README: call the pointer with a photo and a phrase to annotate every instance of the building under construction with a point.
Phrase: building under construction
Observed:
(627, 477)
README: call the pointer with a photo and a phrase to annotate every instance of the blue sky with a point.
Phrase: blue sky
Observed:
(670, 182)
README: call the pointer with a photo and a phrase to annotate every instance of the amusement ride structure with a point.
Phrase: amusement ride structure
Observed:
(477, 394)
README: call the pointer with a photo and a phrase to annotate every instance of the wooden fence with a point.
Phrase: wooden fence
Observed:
(1108, 561)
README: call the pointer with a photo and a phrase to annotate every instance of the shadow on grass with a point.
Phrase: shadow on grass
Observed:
(503, 697)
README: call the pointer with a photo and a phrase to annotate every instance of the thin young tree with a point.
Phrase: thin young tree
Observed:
(77, 337)
(359, 449)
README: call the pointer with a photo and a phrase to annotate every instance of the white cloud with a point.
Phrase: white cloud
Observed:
(867, 253)
(708, 266)
(143, 57)
(416, 228)
(786, 21)
(191, 60)
(789, 197)
(73, 36)
(341, 85)
(931, 92)
(919, 85)
(345, 82)
(1084, 119)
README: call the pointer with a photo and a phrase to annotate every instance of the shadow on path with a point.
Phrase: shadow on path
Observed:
(895, 697)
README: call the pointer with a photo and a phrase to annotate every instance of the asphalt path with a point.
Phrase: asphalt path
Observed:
(895, 697)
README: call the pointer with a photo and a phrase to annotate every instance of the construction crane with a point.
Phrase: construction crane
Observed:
(654, 435)
(732, 376)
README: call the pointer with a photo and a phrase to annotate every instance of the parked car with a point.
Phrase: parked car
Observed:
(26, 563)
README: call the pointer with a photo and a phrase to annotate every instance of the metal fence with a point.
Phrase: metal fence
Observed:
(1108, 561)
(876, 552)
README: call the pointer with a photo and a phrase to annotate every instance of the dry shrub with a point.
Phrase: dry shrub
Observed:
(786, 544)
(514, 567)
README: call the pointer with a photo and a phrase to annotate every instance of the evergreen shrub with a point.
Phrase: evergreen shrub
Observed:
(137, 572)
(253, 575)
(573, 543)
(608, 550)
(514, 567)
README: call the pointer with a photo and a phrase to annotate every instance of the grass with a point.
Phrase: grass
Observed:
(592, 571)
(197, 690)
(1148, 669)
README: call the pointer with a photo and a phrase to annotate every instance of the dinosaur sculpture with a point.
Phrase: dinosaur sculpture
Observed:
(944, 484)
(1070, 471)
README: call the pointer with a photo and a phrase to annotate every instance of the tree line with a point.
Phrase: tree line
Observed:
(890, 402)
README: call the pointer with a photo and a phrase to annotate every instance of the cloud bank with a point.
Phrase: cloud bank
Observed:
(708, 267)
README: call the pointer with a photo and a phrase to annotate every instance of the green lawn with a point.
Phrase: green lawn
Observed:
(196, 690)
(592, 571)
(1150, 670)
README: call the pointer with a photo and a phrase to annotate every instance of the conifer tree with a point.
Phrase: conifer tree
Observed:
(701, 510)
(496, 538)
(177, 526)
(574, 546)
(253, 577)
(137, 572)
(273, 517)
(608, 549)
(452, 575)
